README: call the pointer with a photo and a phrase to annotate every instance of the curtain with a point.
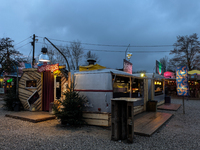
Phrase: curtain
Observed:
(48, 90)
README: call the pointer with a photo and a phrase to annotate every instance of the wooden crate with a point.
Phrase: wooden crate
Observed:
(122, 121)
(97, 119)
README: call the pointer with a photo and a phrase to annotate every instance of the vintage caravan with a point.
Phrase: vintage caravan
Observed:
(100, 86)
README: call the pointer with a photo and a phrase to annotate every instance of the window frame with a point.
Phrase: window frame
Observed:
(31, 87)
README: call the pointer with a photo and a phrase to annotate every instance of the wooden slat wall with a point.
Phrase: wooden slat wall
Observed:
(63, 81)
(98, 119)
(25, 93)
(138, 109)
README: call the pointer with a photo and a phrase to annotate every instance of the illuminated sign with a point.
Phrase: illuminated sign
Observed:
(9, 80)
(159, 68)
(182, 81)
(51, 68)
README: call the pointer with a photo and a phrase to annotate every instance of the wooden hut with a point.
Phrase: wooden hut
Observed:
(37, 90)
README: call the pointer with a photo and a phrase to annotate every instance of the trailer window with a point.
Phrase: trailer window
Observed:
(31, 83)
(137, 88)
(121, 87)
(158, 87)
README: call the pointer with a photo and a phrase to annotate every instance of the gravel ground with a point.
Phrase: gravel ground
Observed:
(181, 132)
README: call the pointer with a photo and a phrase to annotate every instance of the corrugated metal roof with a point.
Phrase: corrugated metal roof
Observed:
(114, 71)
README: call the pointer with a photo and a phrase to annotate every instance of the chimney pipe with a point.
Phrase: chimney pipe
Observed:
(91, 61)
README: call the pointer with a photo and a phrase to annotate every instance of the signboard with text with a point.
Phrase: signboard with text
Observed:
(51, 68)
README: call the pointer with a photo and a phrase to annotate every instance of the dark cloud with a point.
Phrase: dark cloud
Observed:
(103, 22)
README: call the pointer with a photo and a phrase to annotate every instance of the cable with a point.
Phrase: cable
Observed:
(22, 41)
(22, 46)
(29, 54)
(133, 51)
(111, 45)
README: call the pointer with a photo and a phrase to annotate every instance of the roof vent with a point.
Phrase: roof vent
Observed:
(91, 61)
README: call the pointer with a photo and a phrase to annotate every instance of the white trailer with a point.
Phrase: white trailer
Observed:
(100, 86)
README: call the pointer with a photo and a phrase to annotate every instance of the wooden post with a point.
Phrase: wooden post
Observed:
(163, 80)
(130, 87)
(130, 122)
(114, 122)
(183, 106)
(123, 120)
(152, 89)
(145, 93)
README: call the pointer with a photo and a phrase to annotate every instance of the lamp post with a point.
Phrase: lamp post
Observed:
(45, 58)
(59, 52)
(126, 50)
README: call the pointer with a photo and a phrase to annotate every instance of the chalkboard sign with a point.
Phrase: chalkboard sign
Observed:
(33, 98)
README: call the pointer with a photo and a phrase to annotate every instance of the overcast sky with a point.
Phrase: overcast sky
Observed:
(108, 22)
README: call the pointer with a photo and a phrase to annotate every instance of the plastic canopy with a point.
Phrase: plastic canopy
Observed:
(91, 67)
(194, 72)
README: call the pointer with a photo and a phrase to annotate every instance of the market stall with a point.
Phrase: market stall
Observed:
(100, 86)
(156, 85)
(38, 87)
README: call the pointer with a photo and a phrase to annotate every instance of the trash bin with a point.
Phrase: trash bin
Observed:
(152, 106)
(16, 106)
(168, 99)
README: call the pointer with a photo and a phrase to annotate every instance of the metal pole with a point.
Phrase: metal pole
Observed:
(126, 51)
(59, 52)
(183, 106)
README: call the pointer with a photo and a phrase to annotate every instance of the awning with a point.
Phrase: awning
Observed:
(194, 72)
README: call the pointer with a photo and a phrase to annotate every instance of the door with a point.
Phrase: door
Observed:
(48, 90)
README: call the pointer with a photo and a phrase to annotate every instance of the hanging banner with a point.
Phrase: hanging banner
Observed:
(182, 81)
(51, 68)
(159, 68)
(127, 66)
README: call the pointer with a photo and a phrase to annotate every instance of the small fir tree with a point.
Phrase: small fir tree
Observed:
(70, 110)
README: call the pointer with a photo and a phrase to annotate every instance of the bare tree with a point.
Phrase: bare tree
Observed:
(186, 51)
(164, 62)
(74, 54)
(55, 56)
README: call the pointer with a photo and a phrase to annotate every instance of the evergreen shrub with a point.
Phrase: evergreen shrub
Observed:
(70, 109)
